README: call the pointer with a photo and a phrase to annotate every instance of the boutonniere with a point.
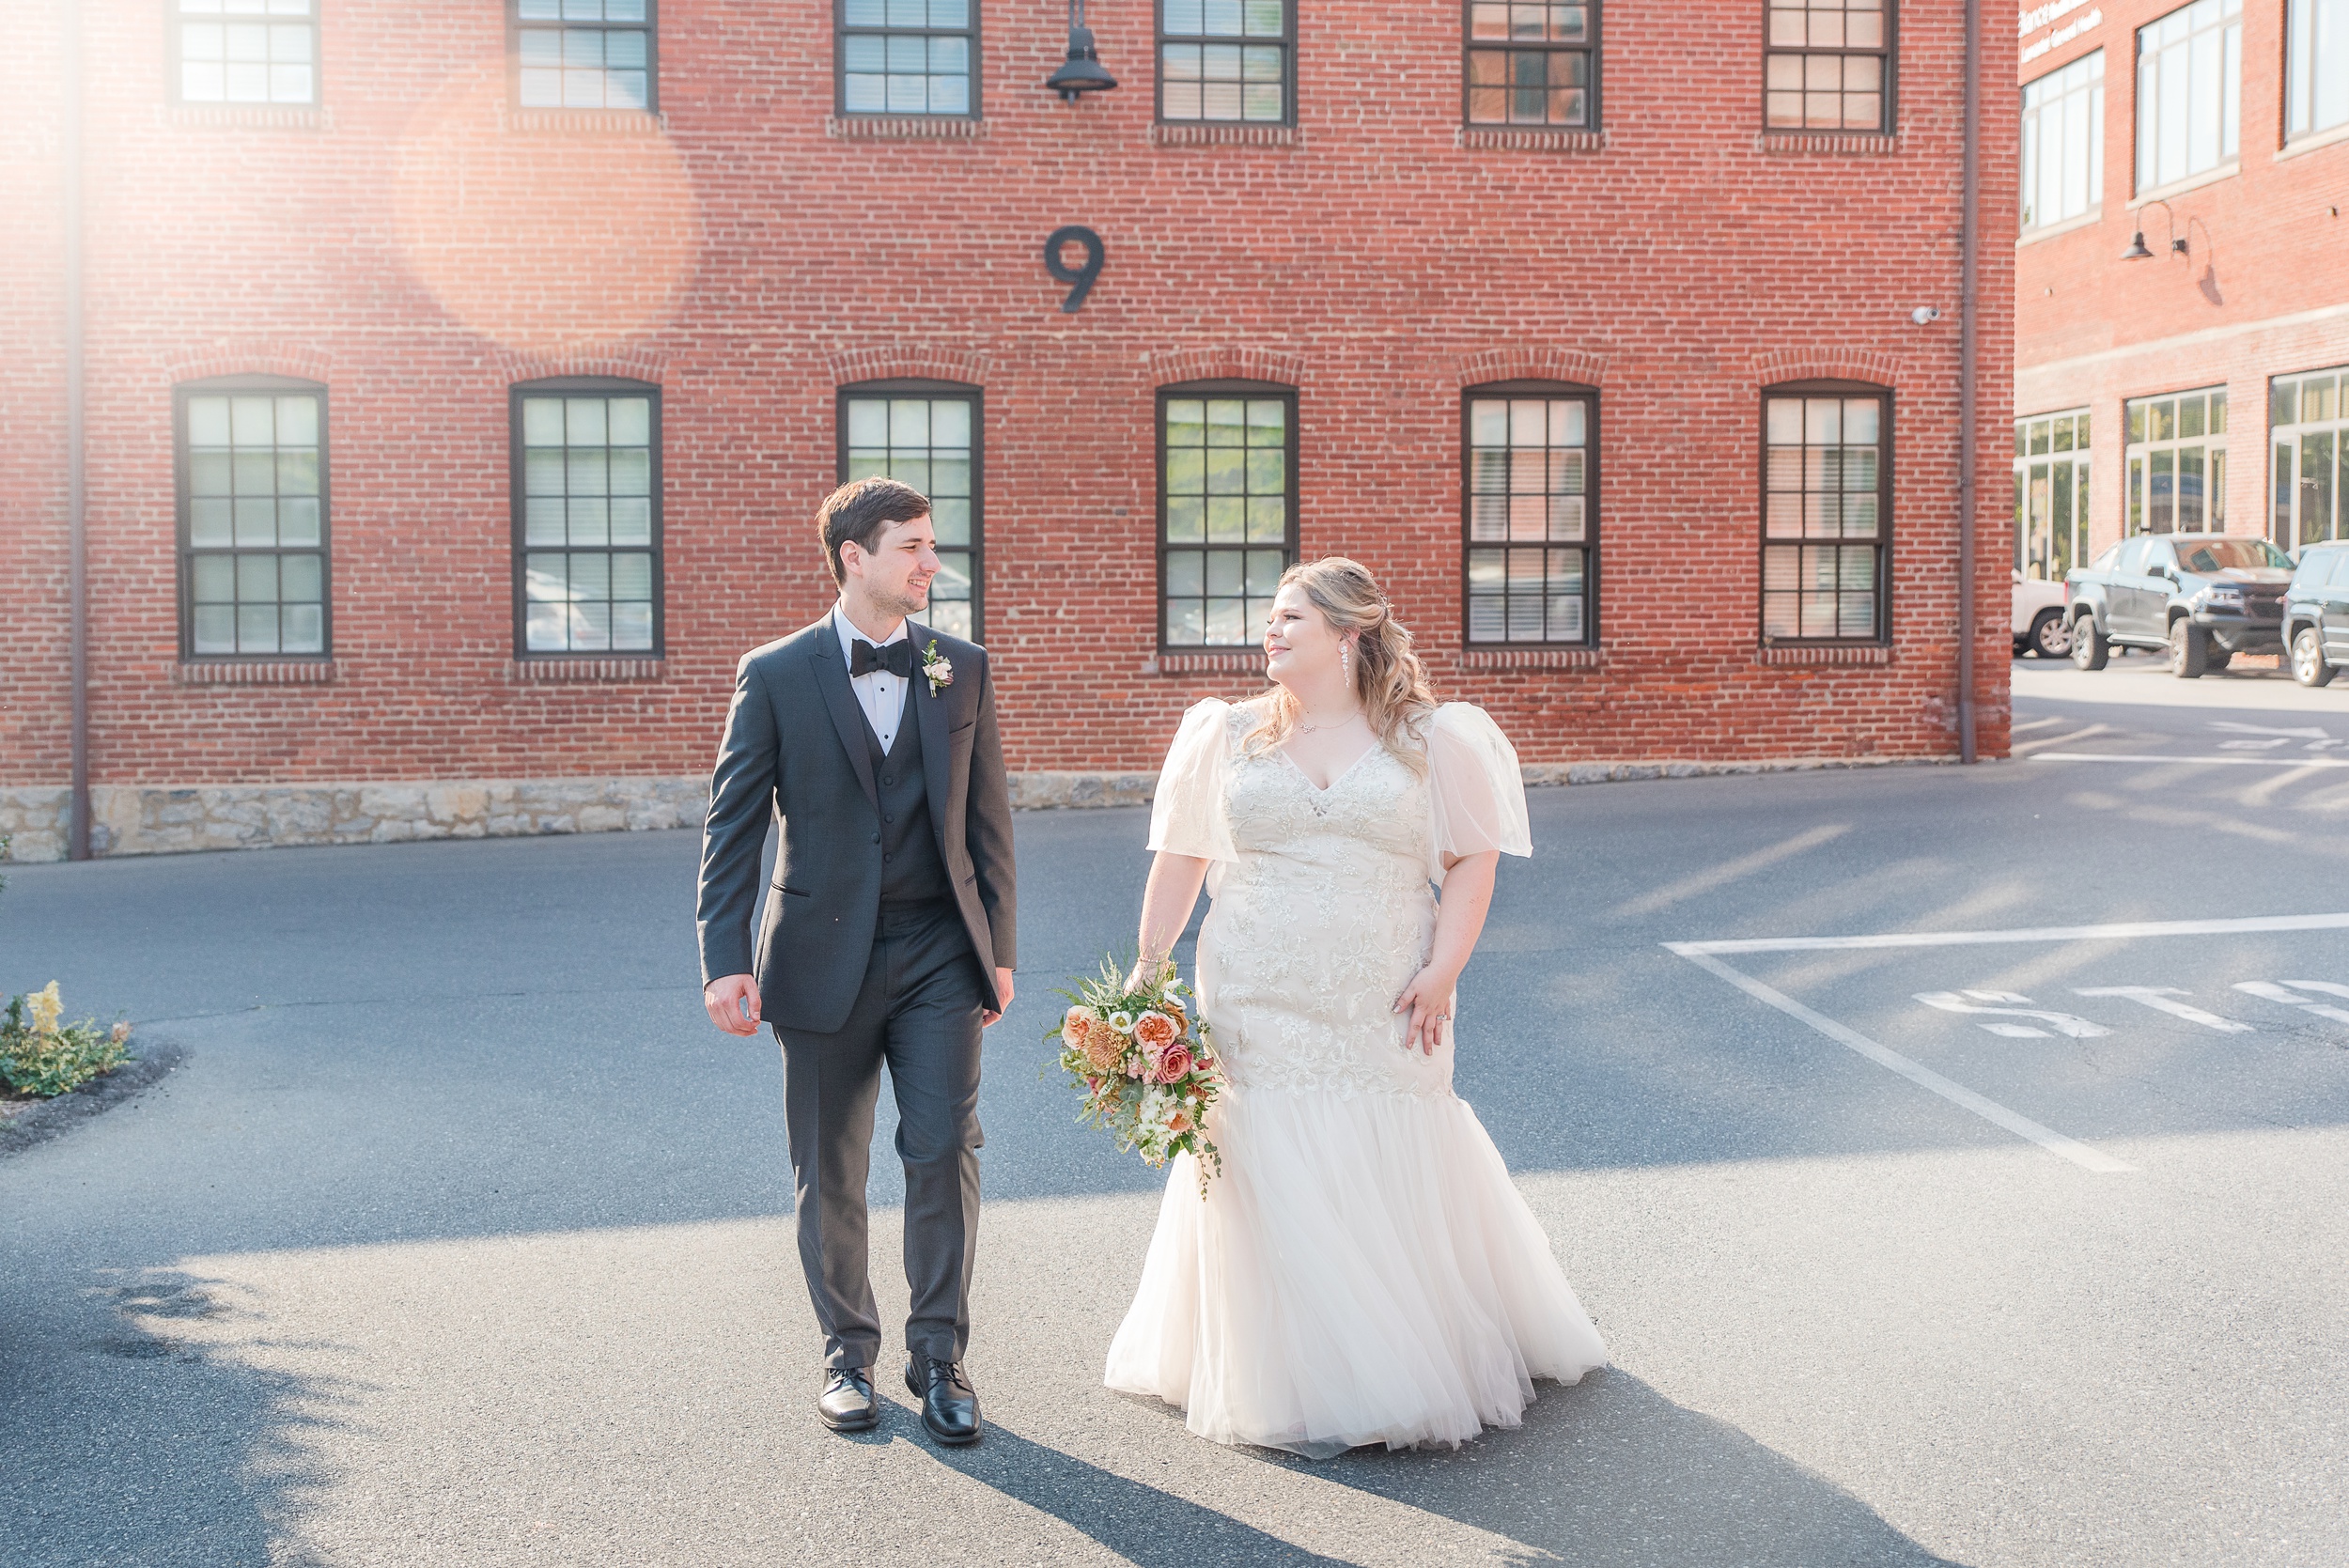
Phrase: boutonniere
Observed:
(936, 666)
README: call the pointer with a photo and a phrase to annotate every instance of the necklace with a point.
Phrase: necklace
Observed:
(1341, 724)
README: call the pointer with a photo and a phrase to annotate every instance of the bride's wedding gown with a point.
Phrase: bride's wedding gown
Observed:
(1364, 1270)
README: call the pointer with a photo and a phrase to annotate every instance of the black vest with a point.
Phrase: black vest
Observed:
(911, 873)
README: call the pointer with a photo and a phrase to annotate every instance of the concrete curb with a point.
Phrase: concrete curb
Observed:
(46, 1119)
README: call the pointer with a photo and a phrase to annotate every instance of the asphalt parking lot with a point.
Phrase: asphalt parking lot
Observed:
(1988, 1209)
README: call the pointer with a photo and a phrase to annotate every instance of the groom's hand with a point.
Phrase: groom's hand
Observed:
(733, 1003)
(1002, 994)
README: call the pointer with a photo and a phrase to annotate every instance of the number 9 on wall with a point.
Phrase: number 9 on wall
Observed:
(1080, 279)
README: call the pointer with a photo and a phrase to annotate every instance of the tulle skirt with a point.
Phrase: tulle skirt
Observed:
(1363, 1271)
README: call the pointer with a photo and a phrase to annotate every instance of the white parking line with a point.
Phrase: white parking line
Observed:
(1705, 955)
(2119, 931)
(2150, 756)
(1884, 1056)
(2021, 748)
(2164, 999)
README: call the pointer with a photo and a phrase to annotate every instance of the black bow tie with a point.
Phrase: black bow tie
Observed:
(864, 659)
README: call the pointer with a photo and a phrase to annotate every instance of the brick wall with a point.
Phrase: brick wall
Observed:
(413, 247)
(2263, 289)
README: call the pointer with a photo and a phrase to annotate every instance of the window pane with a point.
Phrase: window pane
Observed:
(1525, 467)
(1226, 479)
(924, 442)
(907, 57)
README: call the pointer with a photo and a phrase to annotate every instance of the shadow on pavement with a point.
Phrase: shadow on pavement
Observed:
(1610, 1474)
(127, 1443)
(1142, 1524)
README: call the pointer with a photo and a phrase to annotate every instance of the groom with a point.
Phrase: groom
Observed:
(870, 739)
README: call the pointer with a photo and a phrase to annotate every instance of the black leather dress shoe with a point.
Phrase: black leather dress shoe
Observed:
(949, 1407)
(847, 1404)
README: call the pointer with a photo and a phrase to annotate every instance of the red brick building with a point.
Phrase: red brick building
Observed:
(2198, 384)
(459, 384)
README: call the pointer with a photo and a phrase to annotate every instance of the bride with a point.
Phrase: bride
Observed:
(1363, 1271)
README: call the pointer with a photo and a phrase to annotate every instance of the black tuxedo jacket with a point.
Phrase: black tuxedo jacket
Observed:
(795, 748)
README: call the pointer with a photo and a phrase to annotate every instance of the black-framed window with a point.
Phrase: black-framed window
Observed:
(587, 487)
(1827, 512)
(907, 57)
(1829, 65)
(1228, 509)
(1528, 491)
(246, 51)
(584, 53)
(1533, 63)
(252, 517)
(1227, 60)
(930, 435)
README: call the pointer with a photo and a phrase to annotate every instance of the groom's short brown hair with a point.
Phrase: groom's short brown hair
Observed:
(859, 510)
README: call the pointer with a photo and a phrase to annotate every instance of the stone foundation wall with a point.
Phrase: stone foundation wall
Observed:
(33, 819)
(160, 819)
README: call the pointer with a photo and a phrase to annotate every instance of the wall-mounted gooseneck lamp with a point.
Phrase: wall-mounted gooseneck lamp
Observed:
(2137, 251)
(1082, 73)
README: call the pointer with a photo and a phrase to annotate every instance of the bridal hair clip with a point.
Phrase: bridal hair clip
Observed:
(938, 668)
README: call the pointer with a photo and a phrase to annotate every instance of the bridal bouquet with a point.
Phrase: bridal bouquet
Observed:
(1144, 1064)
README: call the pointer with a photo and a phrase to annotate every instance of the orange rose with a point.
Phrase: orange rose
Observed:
(1075, 1026)
(1179, 1121)
(1156, 1032)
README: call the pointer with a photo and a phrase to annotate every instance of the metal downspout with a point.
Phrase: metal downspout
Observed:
(1969, 344)
(77, 477)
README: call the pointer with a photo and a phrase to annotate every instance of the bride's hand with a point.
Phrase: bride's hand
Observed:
(1428, 999)
(1144, 971)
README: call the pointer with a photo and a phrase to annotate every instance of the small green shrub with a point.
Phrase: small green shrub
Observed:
(43, 1056)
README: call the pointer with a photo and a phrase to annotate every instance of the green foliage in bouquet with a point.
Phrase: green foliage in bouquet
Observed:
(1141, 1059)
(43, 1056)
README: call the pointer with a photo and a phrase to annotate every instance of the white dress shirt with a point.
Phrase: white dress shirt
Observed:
(881, 694)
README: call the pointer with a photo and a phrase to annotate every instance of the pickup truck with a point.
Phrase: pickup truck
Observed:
(2203, 598)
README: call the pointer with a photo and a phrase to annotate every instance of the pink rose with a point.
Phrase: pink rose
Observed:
(1174, 1063)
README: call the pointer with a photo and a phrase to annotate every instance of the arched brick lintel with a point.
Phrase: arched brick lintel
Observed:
(892, 362)
(1530, 364)
(1875, 370)
(1170, 366)
(635, 367)
(251, 358)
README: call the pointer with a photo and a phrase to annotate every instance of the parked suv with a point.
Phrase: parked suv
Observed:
(2316, 613)
(2203, 597)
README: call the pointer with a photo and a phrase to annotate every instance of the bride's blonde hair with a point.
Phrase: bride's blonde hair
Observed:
(1388, 677)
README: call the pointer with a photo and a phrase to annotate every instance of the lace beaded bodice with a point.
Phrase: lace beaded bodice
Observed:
(1323, 908)
(1319, 922)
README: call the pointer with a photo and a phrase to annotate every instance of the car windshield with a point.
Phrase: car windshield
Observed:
(2219, 555)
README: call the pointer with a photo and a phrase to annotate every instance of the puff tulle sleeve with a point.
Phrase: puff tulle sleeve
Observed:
(1476, 796)
(1187, 814)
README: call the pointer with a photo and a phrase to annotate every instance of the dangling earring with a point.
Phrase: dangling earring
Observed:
(1345, 662)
